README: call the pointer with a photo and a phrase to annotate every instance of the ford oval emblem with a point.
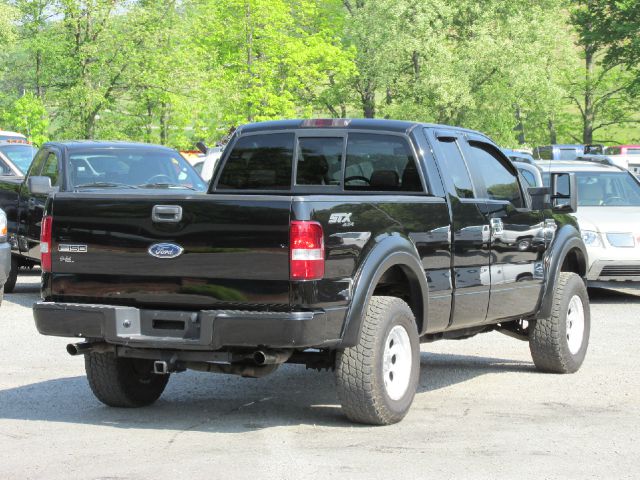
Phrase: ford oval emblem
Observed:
(165, 250)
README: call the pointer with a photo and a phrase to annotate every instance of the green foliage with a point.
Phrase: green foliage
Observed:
(27, 115)
(178, 71)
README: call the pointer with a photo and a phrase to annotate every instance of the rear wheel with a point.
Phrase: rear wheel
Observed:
(377, 379)
(123, 382)
(10, 284)
(559, 343)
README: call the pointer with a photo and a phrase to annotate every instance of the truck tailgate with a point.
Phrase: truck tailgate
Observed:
(234, 250)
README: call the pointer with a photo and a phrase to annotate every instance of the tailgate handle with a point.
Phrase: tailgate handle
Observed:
(166, 213)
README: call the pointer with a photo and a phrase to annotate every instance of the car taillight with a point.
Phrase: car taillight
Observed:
(307, 250)
(45, 243)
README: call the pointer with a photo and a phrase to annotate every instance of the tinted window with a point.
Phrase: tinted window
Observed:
(319, 161)
(456, 168)
(500, 183)
(259, 162)
(633, 151)
(380, 163)
(50, 168)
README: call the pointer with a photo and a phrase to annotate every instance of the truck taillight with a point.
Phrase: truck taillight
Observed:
(307, 250)
(45, 243)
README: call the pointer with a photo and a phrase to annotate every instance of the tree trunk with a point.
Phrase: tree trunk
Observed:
(164, 123)
(368, 97)
(553, 135)
(249, 37)
(519, 126)
(588, 115)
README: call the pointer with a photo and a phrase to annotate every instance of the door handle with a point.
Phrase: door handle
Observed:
(166, 213)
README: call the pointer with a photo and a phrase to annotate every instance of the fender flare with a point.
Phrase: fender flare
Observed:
(567, 238)
(394, 250)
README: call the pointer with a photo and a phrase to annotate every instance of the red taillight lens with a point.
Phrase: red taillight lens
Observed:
(307, 250)
(45, 243)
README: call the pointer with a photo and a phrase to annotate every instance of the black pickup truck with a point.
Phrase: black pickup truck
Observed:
(338, 244)
(82, 166)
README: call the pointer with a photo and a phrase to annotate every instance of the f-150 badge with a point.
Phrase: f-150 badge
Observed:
(342, 218)
(66, 248)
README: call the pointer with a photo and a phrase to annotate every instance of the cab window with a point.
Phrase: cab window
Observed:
(378, 162)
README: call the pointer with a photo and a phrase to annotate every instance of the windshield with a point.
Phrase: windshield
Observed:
(597, 189)
(141, 167)
(20, 155)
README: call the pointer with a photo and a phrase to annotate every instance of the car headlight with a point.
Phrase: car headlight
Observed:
(591, 238)
(3, 226)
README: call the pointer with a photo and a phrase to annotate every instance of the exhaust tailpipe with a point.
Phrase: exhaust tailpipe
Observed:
(273, 357)
(83, 348)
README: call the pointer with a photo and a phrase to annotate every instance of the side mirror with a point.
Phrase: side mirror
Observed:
(40, 185)
(564, 192)
(202, 147)
(539, 197)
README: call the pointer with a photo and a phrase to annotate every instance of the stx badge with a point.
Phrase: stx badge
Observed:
(342, 218)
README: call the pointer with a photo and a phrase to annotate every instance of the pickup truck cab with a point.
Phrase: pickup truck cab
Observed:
(83, 166)
(338, 244)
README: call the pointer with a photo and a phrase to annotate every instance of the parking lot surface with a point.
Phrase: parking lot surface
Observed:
(481, 411)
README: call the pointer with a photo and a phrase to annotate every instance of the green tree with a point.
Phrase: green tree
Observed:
(28, 116)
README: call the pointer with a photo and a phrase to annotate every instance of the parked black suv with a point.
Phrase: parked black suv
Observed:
(337, 244)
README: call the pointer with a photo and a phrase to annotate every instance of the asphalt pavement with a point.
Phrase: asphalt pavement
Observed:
(481, 411)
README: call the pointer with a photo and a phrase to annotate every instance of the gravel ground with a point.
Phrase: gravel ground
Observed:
(482, 411)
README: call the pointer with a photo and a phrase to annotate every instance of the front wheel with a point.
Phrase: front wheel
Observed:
(377, 379)
(559, 343)
(123, 382)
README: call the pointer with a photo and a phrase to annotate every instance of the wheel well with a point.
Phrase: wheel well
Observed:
(399, 281)
(574, 262)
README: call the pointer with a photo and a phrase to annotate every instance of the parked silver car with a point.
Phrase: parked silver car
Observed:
(609, 218)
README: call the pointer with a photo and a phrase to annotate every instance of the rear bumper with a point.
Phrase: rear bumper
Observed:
(5, 262)
(184, 330)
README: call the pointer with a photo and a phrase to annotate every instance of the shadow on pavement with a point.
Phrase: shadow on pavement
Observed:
(219, 403)
(604, 296)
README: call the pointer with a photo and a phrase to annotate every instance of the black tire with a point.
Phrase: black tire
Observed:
(123, 382)
(10, 284)
(548, 339)
(360, 370)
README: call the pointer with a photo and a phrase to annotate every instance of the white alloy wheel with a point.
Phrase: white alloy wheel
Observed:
(397, 362)
(575, 324)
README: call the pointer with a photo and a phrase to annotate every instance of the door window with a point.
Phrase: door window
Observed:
(500, 182)
(51, 168)
(377, 162)
(456, 167)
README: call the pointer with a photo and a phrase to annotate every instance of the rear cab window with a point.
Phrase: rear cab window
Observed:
(315, 161)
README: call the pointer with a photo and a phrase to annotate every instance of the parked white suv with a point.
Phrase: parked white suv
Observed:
(609, 218)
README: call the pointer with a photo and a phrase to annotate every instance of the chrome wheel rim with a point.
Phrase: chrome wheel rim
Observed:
(575, 324)
(397, 362)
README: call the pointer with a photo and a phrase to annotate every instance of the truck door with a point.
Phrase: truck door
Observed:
(32, 205)
(471, 235)
(517, 232)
